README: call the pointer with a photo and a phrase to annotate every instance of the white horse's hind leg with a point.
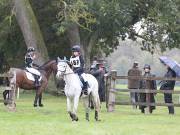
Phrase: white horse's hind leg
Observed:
(86, 103)
(97, 104)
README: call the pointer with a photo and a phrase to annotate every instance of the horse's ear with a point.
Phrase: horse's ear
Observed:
(58, 58)
(65, 59)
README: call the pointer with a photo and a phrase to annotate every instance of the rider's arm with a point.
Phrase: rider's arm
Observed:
(81, 61)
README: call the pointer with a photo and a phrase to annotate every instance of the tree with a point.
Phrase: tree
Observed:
(31, 31)
(103, 23)
(30, 28)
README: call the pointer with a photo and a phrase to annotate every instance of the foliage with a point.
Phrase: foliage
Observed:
(114, 21)
(161, 27)
(12, 43)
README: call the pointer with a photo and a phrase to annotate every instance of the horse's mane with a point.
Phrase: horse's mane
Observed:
(46, 63)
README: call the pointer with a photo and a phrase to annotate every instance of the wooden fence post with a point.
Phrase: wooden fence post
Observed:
(111, 95)
(11, 105)
(148, 109)
(107, 88)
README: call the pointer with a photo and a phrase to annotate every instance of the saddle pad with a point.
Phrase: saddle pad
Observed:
(31, 77)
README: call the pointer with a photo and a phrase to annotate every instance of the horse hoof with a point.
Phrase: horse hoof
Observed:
(41, 105)
(75, 119)
(87, 120)
(35, 105)
(5, 103)
(98, 120)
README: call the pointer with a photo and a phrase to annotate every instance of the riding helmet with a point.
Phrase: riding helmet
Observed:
(147, 66)
(30, 49)
(76, 48)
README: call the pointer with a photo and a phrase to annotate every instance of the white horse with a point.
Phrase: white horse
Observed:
(73, 90)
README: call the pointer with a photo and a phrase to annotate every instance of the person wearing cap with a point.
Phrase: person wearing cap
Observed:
(77, 63)
(168, 85)
(134, 83)
(98, 71)
(30, 65)
(147, 84)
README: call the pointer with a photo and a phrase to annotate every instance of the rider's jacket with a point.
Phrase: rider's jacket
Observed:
(77, 63)
(28, 60)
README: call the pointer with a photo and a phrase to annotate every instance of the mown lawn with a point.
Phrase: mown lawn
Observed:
(52, 119)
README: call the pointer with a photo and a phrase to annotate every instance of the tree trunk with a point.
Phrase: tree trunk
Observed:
(32, 34)
(30, 29)
(88, 44)
(73, 34)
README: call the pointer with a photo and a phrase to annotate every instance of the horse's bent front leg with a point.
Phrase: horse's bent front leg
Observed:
(68, 104)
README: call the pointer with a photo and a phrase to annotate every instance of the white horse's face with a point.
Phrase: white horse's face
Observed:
(61, 68)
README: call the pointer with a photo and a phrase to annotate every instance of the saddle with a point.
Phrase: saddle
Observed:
(30, 75)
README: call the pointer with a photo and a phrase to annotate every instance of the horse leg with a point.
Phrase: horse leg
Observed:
(97, 105)
(86, 106)
(36, 98)
(75, 106)
(69, 107)
(40, 99)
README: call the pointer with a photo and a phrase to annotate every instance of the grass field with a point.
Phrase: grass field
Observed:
(52, 119)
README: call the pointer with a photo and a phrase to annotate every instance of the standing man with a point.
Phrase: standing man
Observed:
(147, 84)
(98, 72)
(134, 83)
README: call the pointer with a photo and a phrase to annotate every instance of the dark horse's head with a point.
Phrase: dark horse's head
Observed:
(48, 67)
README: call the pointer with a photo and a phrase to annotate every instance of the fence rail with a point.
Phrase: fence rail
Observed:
(111, 91)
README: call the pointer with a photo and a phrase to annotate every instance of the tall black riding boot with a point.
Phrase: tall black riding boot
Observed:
(85, 86)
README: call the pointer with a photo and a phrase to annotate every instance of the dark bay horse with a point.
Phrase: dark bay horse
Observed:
(24, 83)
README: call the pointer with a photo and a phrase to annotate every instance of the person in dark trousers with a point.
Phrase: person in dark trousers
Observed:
(147, 84)
(134, 83)
(168, 85)
(98, 72)
(77, 63)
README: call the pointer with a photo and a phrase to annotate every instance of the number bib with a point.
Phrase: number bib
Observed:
(75, 61)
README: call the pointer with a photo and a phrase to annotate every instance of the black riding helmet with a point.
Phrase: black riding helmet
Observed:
(76, 48)
(30, 49)
(147, 66)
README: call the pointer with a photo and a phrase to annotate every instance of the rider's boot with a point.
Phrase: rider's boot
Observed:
(85, 88)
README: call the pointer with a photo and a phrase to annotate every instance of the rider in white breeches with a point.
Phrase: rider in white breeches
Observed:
(29, 58)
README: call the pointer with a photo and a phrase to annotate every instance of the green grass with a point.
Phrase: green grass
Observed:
(52, 119)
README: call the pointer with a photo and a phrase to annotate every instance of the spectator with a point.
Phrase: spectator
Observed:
(147, 84)
(168, 85)
(134, 83)
(98, 72)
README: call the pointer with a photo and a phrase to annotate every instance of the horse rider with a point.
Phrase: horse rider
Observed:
(30, 65)
(77, 63)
